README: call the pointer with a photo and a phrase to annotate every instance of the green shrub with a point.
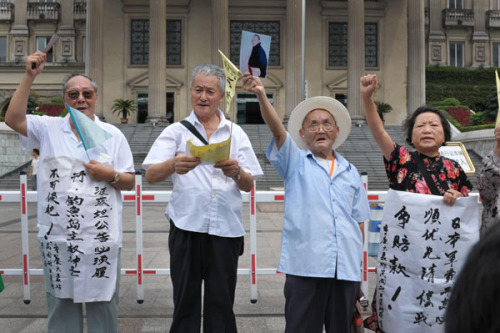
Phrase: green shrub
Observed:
(470, 86)
(451, 101)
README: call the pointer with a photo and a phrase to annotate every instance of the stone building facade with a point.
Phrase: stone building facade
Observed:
(145, 49)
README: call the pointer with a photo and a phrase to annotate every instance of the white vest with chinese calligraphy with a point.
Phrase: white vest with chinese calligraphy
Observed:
(79, 232)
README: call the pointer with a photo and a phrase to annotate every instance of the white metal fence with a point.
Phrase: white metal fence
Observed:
(138, 197)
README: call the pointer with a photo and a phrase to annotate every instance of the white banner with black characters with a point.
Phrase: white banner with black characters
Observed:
(78, 232)
(423, 245)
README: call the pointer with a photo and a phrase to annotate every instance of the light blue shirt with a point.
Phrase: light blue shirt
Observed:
(321, 232)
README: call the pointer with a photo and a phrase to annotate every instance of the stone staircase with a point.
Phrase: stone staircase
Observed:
(360, 149)
(10, 181)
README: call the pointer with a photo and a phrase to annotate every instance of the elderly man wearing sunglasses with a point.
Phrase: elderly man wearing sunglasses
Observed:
(89, 241)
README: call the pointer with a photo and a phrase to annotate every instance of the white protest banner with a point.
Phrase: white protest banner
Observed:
(423, 245)
(78, 232)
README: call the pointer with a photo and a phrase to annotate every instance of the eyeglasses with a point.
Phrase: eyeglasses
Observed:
(75, 94)
(326, 126)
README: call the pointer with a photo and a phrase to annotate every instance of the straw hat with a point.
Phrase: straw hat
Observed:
(337, 110)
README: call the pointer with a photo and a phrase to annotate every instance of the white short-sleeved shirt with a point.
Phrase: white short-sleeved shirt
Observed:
(34, 165)
(204, 200)
(54, 137)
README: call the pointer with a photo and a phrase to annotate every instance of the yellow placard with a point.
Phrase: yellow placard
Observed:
(232, 75)
(212, 153)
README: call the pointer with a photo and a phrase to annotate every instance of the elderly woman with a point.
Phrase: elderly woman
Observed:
(426, 130)
(488, 183)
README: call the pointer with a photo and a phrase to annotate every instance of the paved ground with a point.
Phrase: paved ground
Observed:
(154, 315)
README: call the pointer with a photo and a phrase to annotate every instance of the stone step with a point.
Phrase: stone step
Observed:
(359, 149)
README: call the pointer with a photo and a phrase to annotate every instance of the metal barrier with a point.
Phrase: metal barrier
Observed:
(139, 197)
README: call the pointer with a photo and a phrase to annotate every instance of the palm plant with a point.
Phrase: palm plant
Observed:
(125, 107)
(383, 107)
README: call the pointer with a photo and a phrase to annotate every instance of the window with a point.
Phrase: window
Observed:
(142, 107)
(174, 42)
(457, 54)
(139, 42)
(3, 48)
(455, 4)
(342, 98)
(496, 55)
(371, 41)
(337, 44)
(248, 108)
(270, 28)
(41, 42)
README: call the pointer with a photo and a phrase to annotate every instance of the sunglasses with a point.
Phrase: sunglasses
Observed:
(75, 94)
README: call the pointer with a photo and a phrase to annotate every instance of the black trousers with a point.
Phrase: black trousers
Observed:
(313, 302)
(197, 257)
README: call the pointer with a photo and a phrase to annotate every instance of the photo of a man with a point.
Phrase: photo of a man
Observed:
(254, 53)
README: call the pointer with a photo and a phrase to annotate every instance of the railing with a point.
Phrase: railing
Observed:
(80, 11)
(458, 17)
(493, 18)
(138, 197)
(43, 11)
(6, 11)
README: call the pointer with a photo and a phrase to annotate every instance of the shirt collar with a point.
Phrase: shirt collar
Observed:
(223, 121)
(338, 159)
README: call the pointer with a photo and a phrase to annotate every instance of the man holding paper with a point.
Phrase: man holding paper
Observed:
(206, 234)
(79, 202)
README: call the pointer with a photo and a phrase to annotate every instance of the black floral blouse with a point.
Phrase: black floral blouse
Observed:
(403, 173)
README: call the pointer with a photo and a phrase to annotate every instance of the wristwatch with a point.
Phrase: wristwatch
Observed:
(238, 175)
(116, 178)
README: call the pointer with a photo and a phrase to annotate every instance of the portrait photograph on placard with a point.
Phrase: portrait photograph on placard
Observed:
(254, 53)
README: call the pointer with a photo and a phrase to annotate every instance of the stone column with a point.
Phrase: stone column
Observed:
(437, 39)
(66, 33)
(19, 33)
(416, 55)
(94, 64)
(157, 95)
(480, 37)
(293, 55)
(220, 30)
(356, 56)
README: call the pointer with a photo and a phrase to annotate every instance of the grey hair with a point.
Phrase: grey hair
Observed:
(72, 75)
(210, 69)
